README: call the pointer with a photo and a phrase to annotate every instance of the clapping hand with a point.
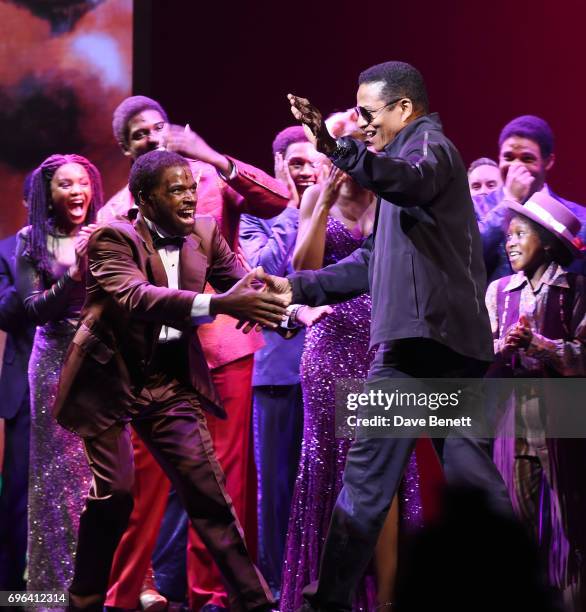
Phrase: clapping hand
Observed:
(313, 123)
(331, 187)
(81, 244)
(518, 336)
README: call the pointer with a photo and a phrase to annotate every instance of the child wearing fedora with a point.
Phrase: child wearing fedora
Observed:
(538, 319)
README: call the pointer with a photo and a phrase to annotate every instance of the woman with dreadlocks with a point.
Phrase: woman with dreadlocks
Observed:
(50, 259)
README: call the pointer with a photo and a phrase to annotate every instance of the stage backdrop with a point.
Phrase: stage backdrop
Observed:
(226, 66)
(64, 65)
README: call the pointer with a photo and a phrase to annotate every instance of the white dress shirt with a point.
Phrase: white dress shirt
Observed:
(200, 309)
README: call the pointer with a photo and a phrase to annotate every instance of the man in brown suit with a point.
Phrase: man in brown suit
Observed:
(135, 359)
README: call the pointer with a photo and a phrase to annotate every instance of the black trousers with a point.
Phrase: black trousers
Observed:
(375, 467)
(14, 499)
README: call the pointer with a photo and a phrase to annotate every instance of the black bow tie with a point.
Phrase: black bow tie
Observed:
(160, 242)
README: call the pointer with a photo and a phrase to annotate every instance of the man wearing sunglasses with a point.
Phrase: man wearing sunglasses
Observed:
(423, 267)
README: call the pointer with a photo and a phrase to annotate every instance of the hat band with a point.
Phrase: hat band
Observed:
(548, 218)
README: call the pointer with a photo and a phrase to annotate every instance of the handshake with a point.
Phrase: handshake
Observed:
(262, 300)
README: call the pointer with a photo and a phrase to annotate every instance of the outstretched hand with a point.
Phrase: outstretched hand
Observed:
(278, 288)
(313, 124)
(308, 315)
(244, 302)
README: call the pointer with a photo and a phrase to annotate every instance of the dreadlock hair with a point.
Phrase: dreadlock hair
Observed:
(41, 216)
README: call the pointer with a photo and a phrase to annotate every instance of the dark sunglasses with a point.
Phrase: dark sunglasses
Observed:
(370, 115)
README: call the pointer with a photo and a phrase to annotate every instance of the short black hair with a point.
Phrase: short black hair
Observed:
(558, 251)
(398, 79)
(285, 138)
(146, 170)
(533, 128)
(482, 161)
(128, 108)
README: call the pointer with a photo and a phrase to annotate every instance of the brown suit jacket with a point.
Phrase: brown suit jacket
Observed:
(127, 303)
(251, 191)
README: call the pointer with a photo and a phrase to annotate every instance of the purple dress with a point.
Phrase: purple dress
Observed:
(335, 348)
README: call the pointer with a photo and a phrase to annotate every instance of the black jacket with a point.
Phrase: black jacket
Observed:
(19, 339)
(424, 265)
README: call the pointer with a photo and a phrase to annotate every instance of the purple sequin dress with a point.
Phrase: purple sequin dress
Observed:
(335, 348)
(59, 476)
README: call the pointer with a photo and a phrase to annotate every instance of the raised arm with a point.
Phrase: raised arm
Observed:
(250, 190)
(315, 209)
(414, 179)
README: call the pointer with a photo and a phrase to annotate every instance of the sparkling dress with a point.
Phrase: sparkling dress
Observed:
(59, 477)
(335, 348)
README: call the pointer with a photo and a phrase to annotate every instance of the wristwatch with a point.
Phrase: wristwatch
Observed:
(290, 322)
(343, 148)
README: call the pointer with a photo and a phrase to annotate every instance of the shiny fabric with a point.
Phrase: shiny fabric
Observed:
(335, 348)
(59, 475)
(168, 418)
(150, 491)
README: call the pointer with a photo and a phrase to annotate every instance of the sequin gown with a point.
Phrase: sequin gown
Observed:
(59, 475)
(335, 348)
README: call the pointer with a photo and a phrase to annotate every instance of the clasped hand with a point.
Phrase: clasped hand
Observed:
(518, 336)
(252, 302)
(277, 288)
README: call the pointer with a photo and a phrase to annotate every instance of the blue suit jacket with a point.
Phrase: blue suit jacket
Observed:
(270, 243)
(19, 339)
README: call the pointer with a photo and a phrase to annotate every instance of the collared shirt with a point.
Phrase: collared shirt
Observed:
(200, 309)
(567, 357)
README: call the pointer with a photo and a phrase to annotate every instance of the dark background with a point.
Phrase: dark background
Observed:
(225, 67)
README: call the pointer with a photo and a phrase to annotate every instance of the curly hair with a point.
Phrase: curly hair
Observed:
(147, 169)
(40, 213)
